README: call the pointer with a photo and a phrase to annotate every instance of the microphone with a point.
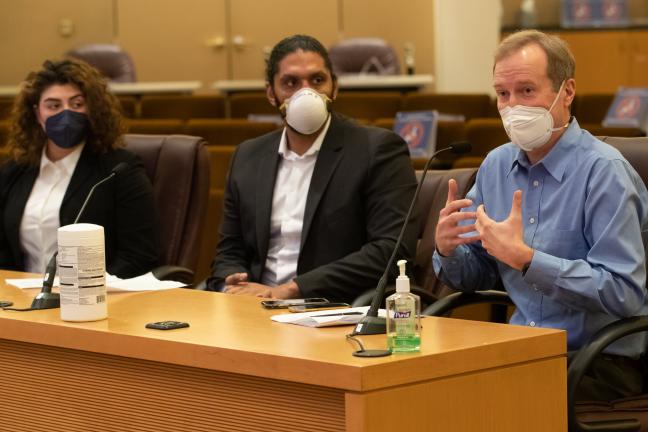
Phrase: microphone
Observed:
(372, 323)
(46, 299)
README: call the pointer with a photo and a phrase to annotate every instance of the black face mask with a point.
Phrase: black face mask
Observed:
(67, 128)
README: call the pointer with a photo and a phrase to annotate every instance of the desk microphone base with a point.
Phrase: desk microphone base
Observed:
(46, 300)
(370, 325)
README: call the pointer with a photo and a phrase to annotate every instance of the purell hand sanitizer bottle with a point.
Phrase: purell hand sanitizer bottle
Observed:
(403, 316)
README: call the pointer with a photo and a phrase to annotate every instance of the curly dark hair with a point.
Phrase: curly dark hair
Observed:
(26, 136)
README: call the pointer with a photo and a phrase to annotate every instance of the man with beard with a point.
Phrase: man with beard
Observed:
(314, 209)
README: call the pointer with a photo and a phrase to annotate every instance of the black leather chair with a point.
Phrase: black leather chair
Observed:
(628, 414)
(178, 167)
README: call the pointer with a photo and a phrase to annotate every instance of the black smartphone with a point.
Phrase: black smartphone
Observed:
(283, 304)
(307, 307)
(167, 325)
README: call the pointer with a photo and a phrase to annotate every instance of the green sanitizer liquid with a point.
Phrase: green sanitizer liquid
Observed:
(403, 316)
(403, 335)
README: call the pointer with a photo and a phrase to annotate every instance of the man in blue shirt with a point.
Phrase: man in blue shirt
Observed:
(556, 213)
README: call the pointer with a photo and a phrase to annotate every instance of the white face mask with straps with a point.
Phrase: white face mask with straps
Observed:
(306, 110)
(530, 127)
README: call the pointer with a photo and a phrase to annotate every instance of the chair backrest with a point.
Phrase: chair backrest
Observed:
(129, 106)
(4, 132)
(485, 134)
(432, 199)
(227, 132)
(109, 59)
(367, 105)
(5, 107)
(364, 55)
(182, 106)
(157, 126)
(591, 108)
(241, 105)
(469, 105)
(635, 150)
(178, 167)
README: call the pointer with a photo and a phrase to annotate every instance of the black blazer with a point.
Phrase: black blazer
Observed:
(361, 188)
(124, 206)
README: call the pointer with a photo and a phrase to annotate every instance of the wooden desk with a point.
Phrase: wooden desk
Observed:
(235, 370)
(403, 83)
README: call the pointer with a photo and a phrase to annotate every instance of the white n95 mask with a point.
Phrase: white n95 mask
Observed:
(306, 110)
(530, 127)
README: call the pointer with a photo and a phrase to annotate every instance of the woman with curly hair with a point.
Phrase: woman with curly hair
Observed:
(66, 135)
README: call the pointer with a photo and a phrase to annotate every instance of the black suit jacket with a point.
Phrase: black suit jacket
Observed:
(124, 206)
(360, 191)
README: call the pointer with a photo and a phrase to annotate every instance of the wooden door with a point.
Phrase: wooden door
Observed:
(258, 25)
(175, 41)
(32, 31)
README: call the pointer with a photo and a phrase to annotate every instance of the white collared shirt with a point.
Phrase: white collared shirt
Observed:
(40, 221)
(288, 205)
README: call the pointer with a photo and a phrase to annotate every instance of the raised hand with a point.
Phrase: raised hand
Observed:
(505, 240)
(448, 230)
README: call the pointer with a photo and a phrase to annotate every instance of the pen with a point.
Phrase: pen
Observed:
(336, 314)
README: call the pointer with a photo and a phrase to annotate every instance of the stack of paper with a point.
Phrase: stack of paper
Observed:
(325, 318)
(146, 282)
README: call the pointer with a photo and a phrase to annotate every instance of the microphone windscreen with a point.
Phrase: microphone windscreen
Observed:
(119, 168)
(460, 147)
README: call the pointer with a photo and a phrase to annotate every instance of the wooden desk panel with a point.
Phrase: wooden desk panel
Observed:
(58, 389)
(234, 365)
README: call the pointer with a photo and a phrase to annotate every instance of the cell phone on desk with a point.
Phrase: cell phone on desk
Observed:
(283, 304)
(167, 325)
(309, 307)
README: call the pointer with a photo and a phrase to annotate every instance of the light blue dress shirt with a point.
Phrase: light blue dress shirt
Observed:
(584, 211)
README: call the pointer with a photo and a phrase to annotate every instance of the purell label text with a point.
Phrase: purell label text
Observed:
(404, 314)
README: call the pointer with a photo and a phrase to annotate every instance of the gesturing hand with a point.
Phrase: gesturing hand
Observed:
(448, 231)
(505, 240)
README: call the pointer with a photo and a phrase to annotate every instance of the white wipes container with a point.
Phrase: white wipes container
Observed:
(82, 268)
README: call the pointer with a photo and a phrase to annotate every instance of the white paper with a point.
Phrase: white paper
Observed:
(146, 282)
(332, 317)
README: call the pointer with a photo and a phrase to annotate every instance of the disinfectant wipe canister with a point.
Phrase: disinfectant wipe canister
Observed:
(82, 269)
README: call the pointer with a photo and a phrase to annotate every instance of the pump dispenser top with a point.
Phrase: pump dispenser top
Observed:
(402, 281)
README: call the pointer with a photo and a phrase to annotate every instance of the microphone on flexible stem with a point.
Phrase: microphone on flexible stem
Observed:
(46, 299)
(372, 323)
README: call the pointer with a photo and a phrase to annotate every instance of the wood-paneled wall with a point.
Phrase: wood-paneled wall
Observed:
(204, 40)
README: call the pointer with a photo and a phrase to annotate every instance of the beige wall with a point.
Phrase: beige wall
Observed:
(465, 58)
